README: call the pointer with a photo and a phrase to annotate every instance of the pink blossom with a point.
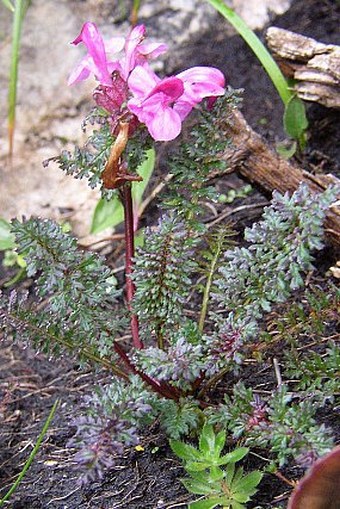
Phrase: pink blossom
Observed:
(98, 60)
(162, 105)
(138, 52)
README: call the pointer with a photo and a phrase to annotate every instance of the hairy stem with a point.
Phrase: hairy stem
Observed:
(129, 254)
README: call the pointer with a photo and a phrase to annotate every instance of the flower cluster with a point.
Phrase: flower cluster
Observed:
(130, 90)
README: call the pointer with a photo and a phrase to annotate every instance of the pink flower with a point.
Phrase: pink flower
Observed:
(162, 105)
(98, 61)
(138, 53)
(95, 61)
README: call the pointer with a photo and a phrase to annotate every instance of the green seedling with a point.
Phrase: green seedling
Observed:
(226, 487)
(233, 194)
(294, 119)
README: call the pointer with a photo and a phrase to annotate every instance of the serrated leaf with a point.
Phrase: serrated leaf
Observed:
(198, 487)
(234, 456)
(209, 503)
(184, 451)
(294, 118)
(198, 466)
(207, 440)
(248, 483)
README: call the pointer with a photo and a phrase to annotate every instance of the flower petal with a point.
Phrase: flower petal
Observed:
(208, 75)
(80, 73)
(152, 49)
(92, 39)
(172, 88)
(201, 82)
(165, 124)
(132, 42)
(141, 81)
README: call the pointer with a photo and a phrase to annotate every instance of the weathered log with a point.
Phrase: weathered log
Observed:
(315, 66)
(257, 162)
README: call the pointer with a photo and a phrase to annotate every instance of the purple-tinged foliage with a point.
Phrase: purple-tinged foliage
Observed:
(276, 421)
(166, 379)
(100, 439)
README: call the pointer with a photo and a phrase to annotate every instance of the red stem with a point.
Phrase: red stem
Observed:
(161, 388)
(129, 254)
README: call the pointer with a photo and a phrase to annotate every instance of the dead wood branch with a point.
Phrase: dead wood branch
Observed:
(314, 65)
(254, 160)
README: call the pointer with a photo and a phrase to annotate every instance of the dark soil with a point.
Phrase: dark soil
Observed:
(30, 383)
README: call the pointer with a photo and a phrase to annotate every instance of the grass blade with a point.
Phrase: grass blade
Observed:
(261, 52)
(20, 8)
(8, 4)
(32, 455)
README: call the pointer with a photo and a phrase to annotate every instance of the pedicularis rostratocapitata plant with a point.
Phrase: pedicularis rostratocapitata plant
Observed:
(165, 369)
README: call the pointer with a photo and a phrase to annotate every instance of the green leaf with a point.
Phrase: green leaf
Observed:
(248, 484)
(237, 475)
(184, 451)
(240, 497)
(7, 240)
(20, 8)
(139, 238)
(216, 474)
(230, 471)
(207, 440)
(12, 258)
(219, 442)
(209, 503)
(236, 505)
(286, 152)
(199, 487)
(107, 214)
(33, 453)
(234, 456)
(294, 118)
(145, 170)
(198, 466)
